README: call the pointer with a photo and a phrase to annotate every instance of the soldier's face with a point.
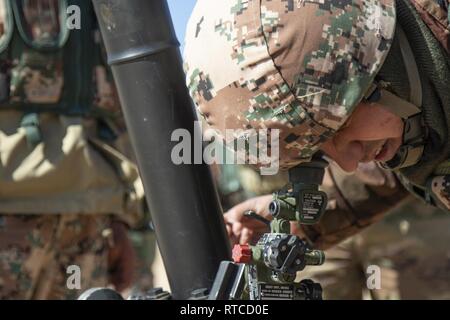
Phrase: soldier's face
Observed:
(371, 134)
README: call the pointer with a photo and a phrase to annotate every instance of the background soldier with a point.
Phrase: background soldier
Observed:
(67, 192)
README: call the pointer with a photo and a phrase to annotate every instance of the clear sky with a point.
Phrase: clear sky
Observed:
(180, 11)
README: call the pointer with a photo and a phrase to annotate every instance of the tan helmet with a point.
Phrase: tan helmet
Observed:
(294, 65)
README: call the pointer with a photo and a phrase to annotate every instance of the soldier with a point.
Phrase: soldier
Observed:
(67, 192)
(404, 256)
(359, 81)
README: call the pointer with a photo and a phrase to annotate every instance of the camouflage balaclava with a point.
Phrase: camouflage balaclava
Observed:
(295, 65)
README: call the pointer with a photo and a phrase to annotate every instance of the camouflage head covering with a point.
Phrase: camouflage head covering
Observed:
(296, 65)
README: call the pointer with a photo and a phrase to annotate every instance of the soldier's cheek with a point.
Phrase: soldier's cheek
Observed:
(347, 154)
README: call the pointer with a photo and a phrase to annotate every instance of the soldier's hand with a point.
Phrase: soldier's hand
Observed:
(242, 229)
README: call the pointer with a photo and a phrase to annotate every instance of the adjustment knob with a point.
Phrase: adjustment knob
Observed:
(242, 253)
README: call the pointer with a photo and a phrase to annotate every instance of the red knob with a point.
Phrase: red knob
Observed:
(242, 253)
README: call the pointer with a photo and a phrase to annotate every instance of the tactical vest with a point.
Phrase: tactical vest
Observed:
(62, 137)
(49, 63)
(427, 31)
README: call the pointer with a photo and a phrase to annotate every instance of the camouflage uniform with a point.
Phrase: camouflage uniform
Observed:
(144, 243)
(409, 244)
(36, 250)
(63, 174)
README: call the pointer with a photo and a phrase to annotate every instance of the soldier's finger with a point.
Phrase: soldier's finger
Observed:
(246, 236)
